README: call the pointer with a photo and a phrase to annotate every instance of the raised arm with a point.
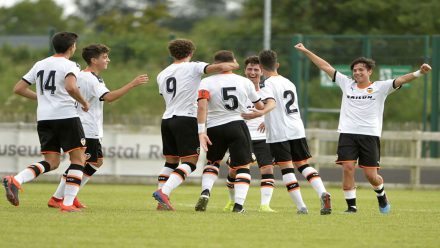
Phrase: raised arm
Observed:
(225, 66)
(116, 94)
(319, 62)
(22, 88)
(424, 69)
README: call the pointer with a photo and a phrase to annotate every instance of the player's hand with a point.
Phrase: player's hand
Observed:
(253, 114)
(261, 127)
(139, 80)
(300, 47)
(85, 107)
(425, 68)
(204, 141)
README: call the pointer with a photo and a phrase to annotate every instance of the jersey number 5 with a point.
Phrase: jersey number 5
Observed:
(228, 96)
(49, 84)
(289, 94)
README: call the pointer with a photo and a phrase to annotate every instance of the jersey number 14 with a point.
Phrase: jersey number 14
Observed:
(49, 84)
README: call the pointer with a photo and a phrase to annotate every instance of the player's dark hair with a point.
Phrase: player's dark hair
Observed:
(94, 51)
(62, 41)
(268, 60)
(224, 56)
(181, 48)
(251, 60)
(369, 63)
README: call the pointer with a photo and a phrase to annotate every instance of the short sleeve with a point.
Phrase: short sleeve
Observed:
(267, 92)
(386, 86)
(31, 76)
(198, 67)
(342, 80)
(100, 90)
(73, 69)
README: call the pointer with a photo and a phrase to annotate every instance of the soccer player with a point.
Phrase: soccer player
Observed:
(58, 123)
(94, 90)
(360, 122)
(178, 84)
(285, 133)
(259, 146)
(222, 98)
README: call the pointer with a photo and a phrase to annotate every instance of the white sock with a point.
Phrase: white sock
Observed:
(241, 188)
(59, 193)
(28, 174)
(266, 195)
(231, 189)
(71, 189)
(316, 181)
(165, 173)
(350, 194)
(176, 179)
(294, 193)
(210, 175)
(379, 189)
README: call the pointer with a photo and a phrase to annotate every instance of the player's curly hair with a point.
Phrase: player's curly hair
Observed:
(94, 51)
(252, 60)
(224, 56)
(62, 41)
(181, 48)
(369, 63)
(268, 59)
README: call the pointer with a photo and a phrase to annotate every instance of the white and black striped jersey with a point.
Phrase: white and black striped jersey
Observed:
(178, 84)
(227, 95)
(53, 100)
(284, 122)
(92, 88)
(362, 108)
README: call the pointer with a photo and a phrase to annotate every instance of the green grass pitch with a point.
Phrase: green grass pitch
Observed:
(125, 216)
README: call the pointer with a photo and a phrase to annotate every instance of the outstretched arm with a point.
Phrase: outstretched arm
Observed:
(319, 62)
(116, 94)
(424, 69)
(21, 88)
(268, 106)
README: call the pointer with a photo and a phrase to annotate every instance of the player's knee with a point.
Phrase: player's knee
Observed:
(266, 169)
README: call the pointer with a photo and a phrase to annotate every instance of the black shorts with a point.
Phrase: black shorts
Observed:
(262, 152)
(233, 136)
(295, 150)
(66, 134)
(354, 147)
(180, 137)
(93, 151)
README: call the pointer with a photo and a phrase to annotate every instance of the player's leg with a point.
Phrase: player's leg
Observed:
(265, 163)
(348, 153)
(73, 143)
(301, 154)
(230, 185)
(369, 157)
(187, 142)
(241, 157)
(283, 158)
(50, 148)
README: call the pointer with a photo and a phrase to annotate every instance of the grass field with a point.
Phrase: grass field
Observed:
(125, 216)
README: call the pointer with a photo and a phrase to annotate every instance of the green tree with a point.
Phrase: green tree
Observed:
(29, 17)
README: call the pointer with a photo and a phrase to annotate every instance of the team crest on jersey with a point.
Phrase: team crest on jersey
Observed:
(369, 90)
(83, 141)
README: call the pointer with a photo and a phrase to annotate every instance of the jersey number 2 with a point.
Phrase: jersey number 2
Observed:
(49, 84)
(289, 94)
